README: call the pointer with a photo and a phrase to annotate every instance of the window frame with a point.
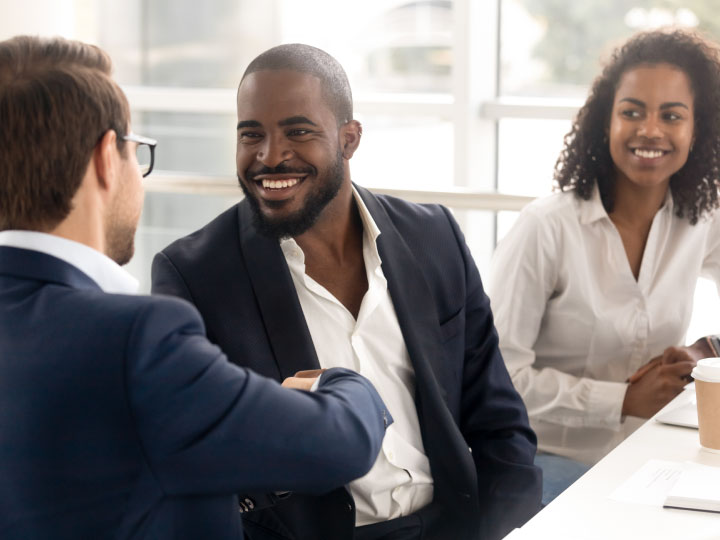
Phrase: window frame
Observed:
(474, 106)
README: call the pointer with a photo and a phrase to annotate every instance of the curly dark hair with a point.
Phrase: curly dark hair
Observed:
(585, 160)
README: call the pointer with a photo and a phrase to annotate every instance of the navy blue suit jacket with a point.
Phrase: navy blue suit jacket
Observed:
(119, 419)
(474, 424)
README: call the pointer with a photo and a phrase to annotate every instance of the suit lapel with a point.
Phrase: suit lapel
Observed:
(276, 296)
(418, 318)
(412, 299)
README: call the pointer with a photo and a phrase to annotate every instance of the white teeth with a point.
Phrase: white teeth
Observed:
(648, 154)
(279, 184)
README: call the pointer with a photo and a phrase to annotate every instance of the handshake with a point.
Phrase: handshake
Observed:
(303, 380)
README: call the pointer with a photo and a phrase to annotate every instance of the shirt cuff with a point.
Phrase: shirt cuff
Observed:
(605, 404)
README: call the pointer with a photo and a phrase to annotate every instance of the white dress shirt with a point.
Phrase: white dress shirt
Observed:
(399, 482)
(100, 268)
(574, 323)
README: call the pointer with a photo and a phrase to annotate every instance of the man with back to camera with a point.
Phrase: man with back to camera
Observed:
(118, 419)
(311, 262)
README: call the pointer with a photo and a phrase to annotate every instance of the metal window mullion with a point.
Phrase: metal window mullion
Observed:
(458, 107)
(474, 82)
(530, 108)
(226, 186)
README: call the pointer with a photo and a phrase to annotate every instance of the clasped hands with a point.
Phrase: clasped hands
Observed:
(656, 383)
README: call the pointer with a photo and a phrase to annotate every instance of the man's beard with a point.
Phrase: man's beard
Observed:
(121, 244)
(120, 235)
(315, 202)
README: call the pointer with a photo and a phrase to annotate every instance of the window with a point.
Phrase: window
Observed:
(463, 102)
(550, 52)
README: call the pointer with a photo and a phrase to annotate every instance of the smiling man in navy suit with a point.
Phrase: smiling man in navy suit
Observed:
(118, 418)
(312, 266)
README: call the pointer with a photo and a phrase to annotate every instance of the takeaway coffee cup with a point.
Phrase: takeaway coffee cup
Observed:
(707, 388)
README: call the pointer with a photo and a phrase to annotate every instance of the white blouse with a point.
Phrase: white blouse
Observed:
(574, 323)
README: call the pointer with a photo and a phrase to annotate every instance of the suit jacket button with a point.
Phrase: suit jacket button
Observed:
(349, 507)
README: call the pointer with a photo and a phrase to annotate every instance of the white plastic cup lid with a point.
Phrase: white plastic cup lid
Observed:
(707, 370)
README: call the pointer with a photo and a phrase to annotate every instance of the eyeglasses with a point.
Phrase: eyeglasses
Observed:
(145, 152)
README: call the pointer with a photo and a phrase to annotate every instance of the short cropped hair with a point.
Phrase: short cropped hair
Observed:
(315, 62)
(57, 100)
(585, 160)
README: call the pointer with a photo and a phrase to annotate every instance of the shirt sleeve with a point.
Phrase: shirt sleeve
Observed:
(523, 277)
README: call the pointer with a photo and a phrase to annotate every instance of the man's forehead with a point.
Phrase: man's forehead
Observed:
(279, 82)
(272, 90)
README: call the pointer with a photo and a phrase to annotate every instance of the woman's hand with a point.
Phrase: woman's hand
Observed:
(656, 383)
(697, 351)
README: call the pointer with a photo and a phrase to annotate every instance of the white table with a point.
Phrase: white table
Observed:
(584, 511)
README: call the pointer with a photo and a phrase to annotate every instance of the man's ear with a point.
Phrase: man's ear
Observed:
(350, 134)
(104, 159)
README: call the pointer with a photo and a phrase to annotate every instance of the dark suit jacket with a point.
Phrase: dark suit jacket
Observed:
(118, 419)
(474, 424)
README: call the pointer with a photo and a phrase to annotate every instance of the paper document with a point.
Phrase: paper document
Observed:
(696, 489)
(651, 484)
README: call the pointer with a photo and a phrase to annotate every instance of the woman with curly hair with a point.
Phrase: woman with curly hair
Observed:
(593, 287)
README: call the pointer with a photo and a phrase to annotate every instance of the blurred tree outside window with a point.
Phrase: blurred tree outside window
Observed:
(564, 42)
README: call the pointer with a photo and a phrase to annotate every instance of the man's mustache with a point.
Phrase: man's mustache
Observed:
(280, 169)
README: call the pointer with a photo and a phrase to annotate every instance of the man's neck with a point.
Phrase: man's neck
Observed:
(337, 234)
(83, 227)
(333, 250)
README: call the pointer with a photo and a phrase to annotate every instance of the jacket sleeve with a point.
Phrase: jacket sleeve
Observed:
(493, 418)
(208, 426)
